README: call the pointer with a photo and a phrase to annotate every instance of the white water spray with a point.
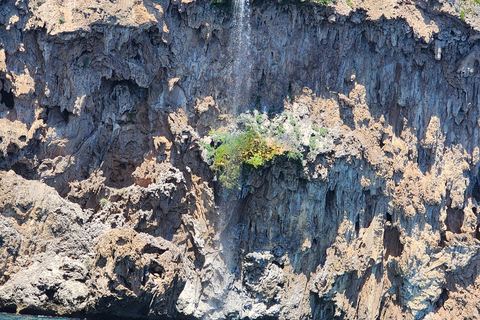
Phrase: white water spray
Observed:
(241, 51)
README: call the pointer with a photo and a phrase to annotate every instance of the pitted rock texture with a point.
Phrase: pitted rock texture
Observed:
(109, 206)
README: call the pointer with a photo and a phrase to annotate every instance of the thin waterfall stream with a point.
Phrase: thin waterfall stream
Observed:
(242, 50)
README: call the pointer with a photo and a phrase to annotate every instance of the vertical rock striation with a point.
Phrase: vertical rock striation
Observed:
(109, 208)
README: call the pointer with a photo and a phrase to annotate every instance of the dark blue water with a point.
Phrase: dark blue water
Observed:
(7, 316)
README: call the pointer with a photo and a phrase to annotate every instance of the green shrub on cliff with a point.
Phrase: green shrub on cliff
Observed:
(247, 150)
(104, 202)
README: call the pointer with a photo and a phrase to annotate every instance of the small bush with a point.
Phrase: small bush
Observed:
(296, 157)
(323, 132)
(292, 121)
(210, 150)
(248, 150)
(104, 202)
(61, 19)
(313, 142)
(259, 118)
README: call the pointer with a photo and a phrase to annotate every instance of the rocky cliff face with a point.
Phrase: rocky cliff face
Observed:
(108, 204)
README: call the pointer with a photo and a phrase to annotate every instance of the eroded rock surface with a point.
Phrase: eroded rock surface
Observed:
(108, 203)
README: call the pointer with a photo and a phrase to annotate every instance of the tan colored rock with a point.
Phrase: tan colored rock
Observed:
(107, 204)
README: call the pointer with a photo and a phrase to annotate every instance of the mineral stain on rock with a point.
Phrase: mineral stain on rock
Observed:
(111, 114)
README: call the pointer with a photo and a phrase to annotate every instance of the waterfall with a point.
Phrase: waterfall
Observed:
(241, 52)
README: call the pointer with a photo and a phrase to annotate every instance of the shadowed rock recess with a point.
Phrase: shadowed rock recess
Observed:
(109, 206)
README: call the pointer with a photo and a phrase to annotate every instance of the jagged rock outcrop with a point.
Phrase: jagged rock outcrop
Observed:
(109, 206)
